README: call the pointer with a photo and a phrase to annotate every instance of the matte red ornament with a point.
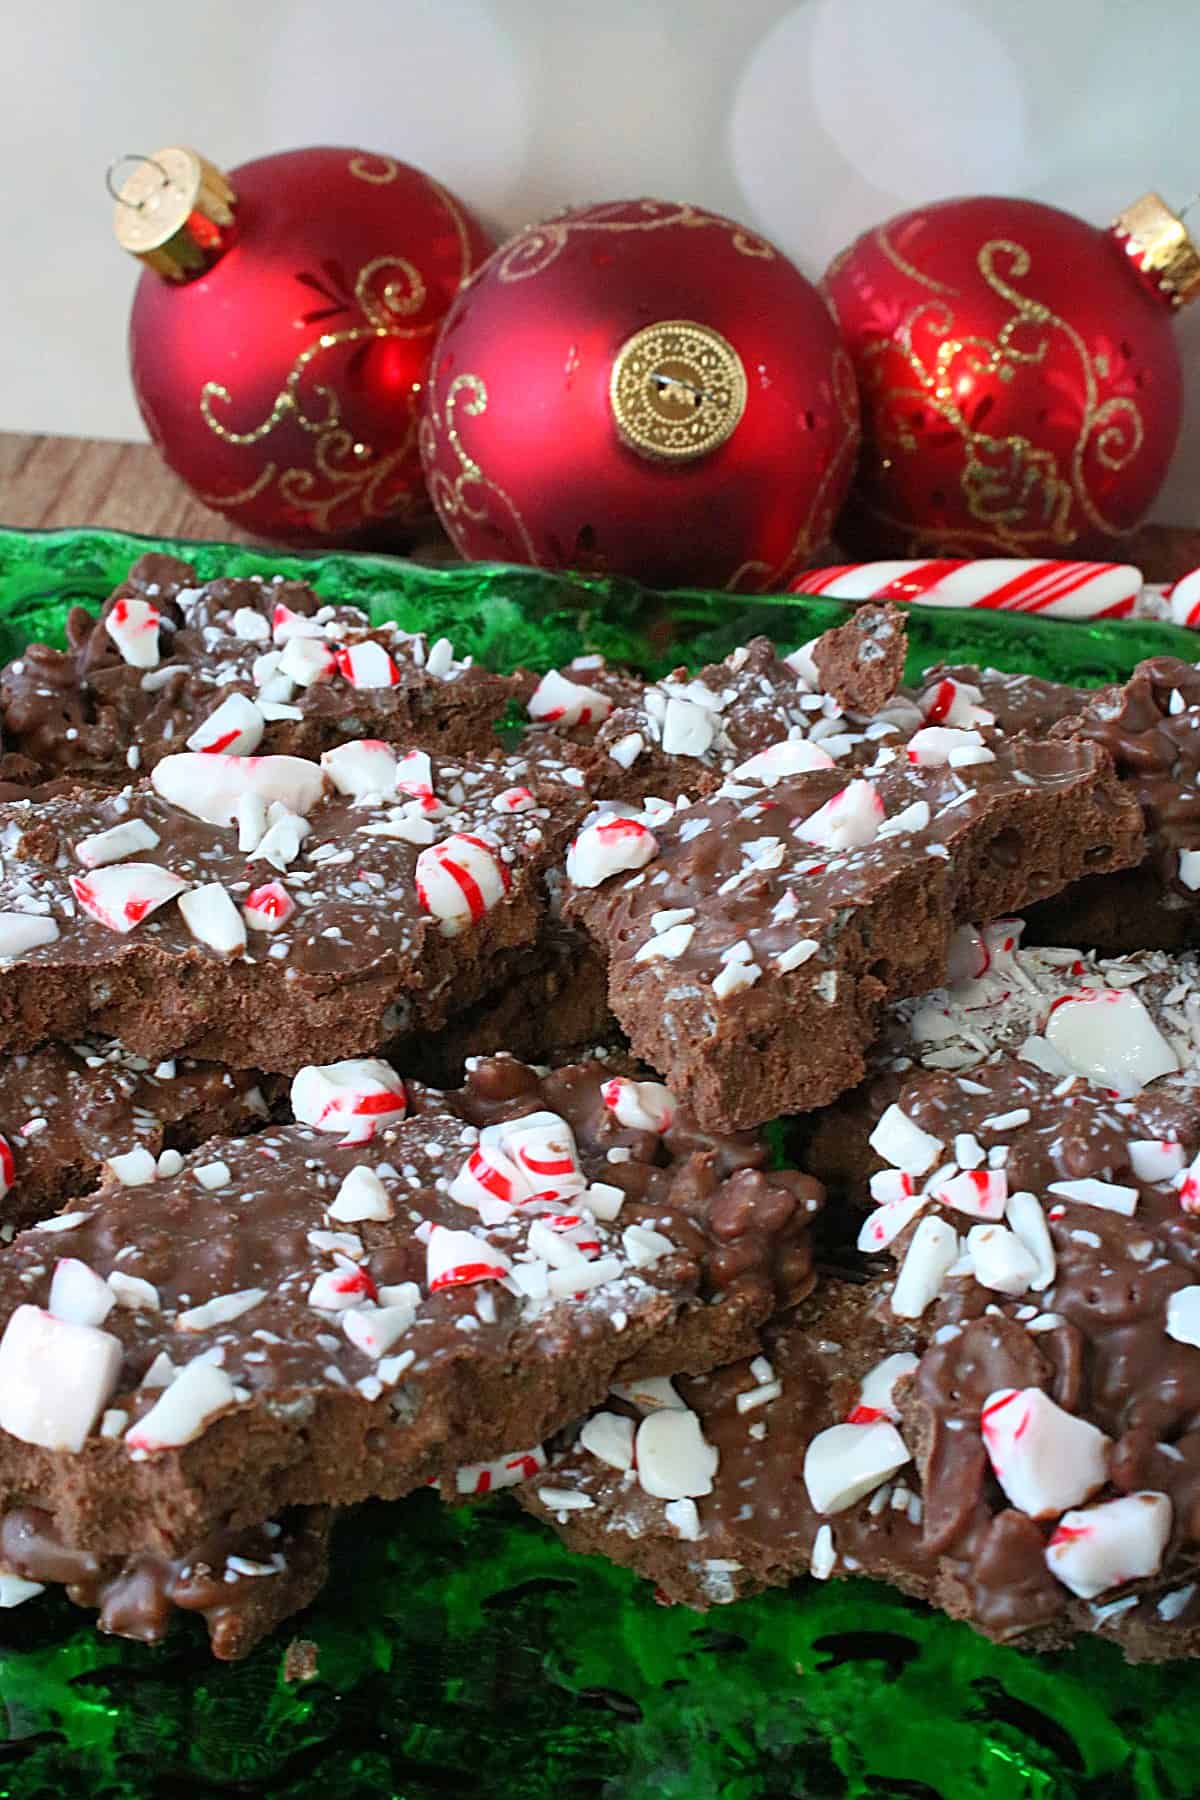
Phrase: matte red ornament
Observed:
(1019, 376)
(642, 389)
(280, 338)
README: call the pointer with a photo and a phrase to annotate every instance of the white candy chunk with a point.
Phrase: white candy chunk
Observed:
(15, 1590)
(122, 895)
(235, 728)
(604, 1201)
(980, 1193)
(199, 1393)
(213, 919)
(644, 1247)
(1045, 1459)
(505, 1472)
(251, 813)
(1189, 869)
(687, 729)
(220, 1310)
(78, 1294)
(367, 665)
(609, 847)
(999, 1260)
(932, 1252)
(668, 944)
(848, 821)
(357, 1097)
(955, 703)
(281, 841)
(901, 1142)
(286, 625)
(936, 744)
(306, 661)
(133, 1168)
(113, 845)
(250, 626)
(796, 955)
(489, 1180)
(133, 1292)
(674, 1460)
(133, 627)
(683, 1518)
(268, 907)
(56, 1378)
(794, 756)
(338, 1289)
(1105, 1546)
(1026, 1218)
(1183, 1315)
(362, 768)
(876, 1396)
(374, 1329)
(459, 880)
(543, 1147)
(1107, 1035)
(22, 932)
(209, 786)
(885, 1224)
(1156, 1160)
(213, 1175)
(1187, 1182)
(362, 1195)
(609, 1436)
(641, 1105)
(1109, 1196)
(845, 1462)
(556, 700)
(455, 1257)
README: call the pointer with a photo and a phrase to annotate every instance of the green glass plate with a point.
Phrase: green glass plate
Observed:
(465, 1652)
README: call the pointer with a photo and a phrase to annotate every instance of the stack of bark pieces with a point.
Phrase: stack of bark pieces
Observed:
(322, 1190)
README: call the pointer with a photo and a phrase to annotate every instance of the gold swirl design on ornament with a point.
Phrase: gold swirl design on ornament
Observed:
(453, 496)
(259, 485)
(385, 168)
(1014, 488)
(817, 528)
(388, 290)
(534, 249)
(897, 261)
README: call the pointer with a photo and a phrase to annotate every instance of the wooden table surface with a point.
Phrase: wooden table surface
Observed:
(57, 481)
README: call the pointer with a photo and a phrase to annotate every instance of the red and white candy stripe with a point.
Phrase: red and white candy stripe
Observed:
(1061, 590)
(459, 880)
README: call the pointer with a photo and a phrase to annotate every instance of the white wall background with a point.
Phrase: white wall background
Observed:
(811, 119)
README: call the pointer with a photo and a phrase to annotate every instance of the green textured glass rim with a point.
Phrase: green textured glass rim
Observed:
(466, 1650)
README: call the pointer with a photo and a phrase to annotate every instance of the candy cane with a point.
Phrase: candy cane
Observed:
(1061, 590)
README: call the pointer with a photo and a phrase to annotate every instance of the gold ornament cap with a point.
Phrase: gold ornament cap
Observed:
(173, 211)
(1157, 241)
(677, 390)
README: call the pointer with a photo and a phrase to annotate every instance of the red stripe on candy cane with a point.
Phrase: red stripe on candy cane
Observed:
(919, 579)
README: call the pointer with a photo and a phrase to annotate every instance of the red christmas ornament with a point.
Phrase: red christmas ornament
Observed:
(644, 389)
(1019, 376)
(281, 334)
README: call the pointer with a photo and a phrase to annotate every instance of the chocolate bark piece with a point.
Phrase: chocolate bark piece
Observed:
(1032, 1464)
(66, 1108)
(357, 960)
(861, 663)
(1151, 729)
(91, 713)
(754, 936)
(243, 1584)
(265, 1263)
(687, 732)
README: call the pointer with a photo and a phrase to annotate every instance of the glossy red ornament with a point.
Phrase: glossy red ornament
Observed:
(1019, 377)
(643, 389)
(282, 381)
